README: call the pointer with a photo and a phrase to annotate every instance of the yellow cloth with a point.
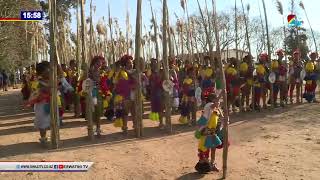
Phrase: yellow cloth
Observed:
(310, 67)
(274, 64)
(244, 67)
(70, 73)
(231, 71)
(105, 104)
(116, 78)
(260, 69)
(124, 75)
(208, 72)
(154, 116)
(59, 101)
(187, 81)
(250, 82)
(118, 122)
(183, 120)
(110, 74)
(34, 85)
(213, 121)
(118, 99)
(202, 141)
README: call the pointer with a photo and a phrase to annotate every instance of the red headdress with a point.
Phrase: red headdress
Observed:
(125, 59)
(297, 51)
(280, 52)
(97, 60)
(263, 55)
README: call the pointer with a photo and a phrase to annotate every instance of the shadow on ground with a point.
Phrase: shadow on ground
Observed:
(150, 133)
(191, 176)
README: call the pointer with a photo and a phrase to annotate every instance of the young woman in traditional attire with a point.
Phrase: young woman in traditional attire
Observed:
(40, 100)
(311, 78)
(209, 135)
(232, 83)
(261, 81)
(188, 102)
(296, 67)
(95, 76)
(279, 68)
(207, 83)
(246, 76)
(124, 87)
(156, 94)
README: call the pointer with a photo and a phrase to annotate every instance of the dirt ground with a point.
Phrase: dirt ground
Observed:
(279, 144)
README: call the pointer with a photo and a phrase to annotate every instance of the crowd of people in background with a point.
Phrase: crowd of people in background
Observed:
(192, 86)
(8, 79)
(3, 80)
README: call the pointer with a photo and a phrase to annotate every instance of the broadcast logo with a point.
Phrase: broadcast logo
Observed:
(293, 21)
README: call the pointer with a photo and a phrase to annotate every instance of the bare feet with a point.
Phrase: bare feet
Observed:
(214, 167)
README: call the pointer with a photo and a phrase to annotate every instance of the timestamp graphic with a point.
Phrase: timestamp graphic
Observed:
(25, 16)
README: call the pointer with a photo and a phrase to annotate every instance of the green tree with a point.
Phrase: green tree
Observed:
(297, 39)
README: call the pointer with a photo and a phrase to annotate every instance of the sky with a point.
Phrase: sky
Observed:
(118, 10)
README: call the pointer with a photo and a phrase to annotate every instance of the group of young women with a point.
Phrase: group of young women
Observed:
(193, 86)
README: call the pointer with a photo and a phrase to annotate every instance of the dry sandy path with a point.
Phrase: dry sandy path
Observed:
(282, 144)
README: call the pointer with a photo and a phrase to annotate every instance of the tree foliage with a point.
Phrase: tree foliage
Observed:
(297, 40)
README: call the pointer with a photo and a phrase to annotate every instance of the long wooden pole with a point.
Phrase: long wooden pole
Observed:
(169, 36)
(138, 68)
(128, 27)
(166, 65)
(155, 31)
(187, 30)
(280, 9)
(53, 78)
(246, 19)
(77, 99)
(263, 35)
(195, 42)
(190, 33)
(312, 33)
(225, 104)
(269, 49)
(111, 36)
(236, 30)
(91, 33)
(301, 80)
(89, 104)
(37, 41)
(237, 45)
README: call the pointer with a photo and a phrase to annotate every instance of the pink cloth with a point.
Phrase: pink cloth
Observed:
(124, 87)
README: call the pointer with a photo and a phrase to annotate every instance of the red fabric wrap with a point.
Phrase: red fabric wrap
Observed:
(203, 154)
(105, 90)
